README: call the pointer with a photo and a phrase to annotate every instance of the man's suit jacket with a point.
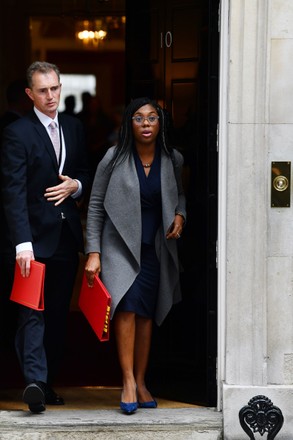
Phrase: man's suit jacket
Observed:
(29, 166)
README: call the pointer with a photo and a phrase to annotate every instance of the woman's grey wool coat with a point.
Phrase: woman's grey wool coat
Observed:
(114, 228)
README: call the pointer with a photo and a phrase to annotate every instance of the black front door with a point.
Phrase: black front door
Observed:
(172, 56)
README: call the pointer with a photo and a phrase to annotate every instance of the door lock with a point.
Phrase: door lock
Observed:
(280, 184)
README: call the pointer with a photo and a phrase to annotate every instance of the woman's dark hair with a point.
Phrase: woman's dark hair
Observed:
(125, 140)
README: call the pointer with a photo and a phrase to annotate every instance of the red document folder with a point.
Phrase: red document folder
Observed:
(95, 303)
(29, 291)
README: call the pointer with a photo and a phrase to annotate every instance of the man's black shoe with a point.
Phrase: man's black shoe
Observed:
(34, 396)
(52, 398)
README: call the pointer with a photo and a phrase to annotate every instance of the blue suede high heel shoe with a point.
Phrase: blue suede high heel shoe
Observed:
(128, 408)
(150, 404)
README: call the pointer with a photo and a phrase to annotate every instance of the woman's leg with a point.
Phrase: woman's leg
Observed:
(125, 337)
(143, 334)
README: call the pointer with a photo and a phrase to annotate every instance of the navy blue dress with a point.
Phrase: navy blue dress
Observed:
(141, 298)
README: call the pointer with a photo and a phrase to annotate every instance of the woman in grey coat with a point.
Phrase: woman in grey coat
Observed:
(135, 215)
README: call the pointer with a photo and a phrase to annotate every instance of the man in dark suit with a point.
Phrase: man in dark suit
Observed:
(18, 104)
(41, 187)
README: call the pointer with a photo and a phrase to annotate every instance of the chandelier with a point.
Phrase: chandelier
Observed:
(91, 32)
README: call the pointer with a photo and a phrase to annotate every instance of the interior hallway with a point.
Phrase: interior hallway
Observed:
(89, 377)
(79, 398)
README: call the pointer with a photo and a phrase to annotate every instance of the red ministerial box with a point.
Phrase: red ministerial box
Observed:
(95, 303)
(29, 291)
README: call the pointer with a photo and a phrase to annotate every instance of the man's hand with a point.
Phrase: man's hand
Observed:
(60, 192)
(24, 259)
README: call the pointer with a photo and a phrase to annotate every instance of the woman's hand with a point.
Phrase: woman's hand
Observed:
(92, 267)
(176, 228)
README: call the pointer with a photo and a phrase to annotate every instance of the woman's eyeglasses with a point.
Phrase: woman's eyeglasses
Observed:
(152, 120)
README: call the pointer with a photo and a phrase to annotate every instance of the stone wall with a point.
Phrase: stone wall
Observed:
(259, 239)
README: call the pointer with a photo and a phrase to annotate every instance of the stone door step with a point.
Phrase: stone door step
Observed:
(147, 424)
